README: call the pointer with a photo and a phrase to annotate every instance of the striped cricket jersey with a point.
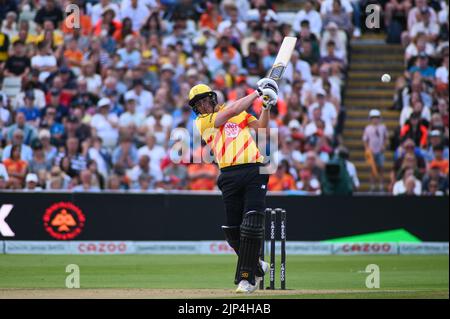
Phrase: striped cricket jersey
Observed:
(232, 142)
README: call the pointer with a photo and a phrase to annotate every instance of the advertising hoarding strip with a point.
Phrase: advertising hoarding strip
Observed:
(215, 248)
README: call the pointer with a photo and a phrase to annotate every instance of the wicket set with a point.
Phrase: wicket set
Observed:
(273, 230)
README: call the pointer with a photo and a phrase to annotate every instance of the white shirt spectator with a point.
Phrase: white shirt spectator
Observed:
(411, 50)
(166, 121)
(102, 165)
(4, 115)
(327, 6)
(329, 113)
(94, 82)
(156, 154)
(334, 87)
(301, 67)
(431, 29)
(442, 74)
(39, 61)
(144, 101)
(408, 110)
(155, 172)
(39, 99)
(137, 15)
(4, 172)
(105, 129)
(96, 11)
(311, 129)
(240, 25)
(315, 21)
(127, 119)
(414, 12)
(399, 188)
(351, 169)
(26, 153)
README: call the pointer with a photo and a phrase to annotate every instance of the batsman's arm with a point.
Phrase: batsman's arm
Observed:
(235, 108)
(263, 121)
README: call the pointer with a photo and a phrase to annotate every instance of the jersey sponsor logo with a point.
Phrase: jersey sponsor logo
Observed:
(64, 221)
(231, 130)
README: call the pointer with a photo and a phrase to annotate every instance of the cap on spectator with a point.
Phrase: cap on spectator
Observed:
(191, 72)
(423, 55)
(374, 113)
(31, 177)
(103, 102)
(435, 133)
(414, 116)
(229, 3)
(72, 119)
(29, 94)
(64, 69)
(332, 25)
(129, 96)
(55, 92)
(120, 65)
(294, 124)
(137, 82)
(321, 91)
(435, 165)
(44, 134)
(424, 10)
(167, 67)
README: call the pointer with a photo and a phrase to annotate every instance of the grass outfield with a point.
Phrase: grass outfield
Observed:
(203, 276)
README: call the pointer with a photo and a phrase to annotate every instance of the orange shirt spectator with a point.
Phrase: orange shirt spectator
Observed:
(15, 166)
(210, 19)
(281, 180)
(442, 164)
(202, 176)
(85, 25)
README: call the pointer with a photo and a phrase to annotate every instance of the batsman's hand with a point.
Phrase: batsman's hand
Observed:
(267, 82)
(269, 97)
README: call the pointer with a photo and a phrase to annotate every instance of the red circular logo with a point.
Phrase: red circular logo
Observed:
(64, 220)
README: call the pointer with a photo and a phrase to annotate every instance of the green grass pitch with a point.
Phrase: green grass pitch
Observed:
(176, 276)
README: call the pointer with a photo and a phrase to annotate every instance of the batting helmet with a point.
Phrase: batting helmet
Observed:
(199, 92)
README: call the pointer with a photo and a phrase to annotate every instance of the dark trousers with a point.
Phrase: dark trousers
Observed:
(243, 189)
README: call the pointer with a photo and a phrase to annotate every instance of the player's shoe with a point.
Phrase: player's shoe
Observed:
(245, 287)
(264, 267)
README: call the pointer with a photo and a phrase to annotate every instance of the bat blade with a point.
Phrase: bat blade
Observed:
(282, 59)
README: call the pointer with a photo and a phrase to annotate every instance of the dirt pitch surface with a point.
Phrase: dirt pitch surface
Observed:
(44, 293)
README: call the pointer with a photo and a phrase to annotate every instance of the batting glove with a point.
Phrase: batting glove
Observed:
(267, 82)
(269, 97)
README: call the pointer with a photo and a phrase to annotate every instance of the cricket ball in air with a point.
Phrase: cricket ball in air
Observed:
(386, 78)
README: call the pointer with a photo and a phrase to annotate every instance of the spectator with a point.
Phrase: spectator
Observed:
(49, 12)
(439, 160)
(338, 16)
(435, 139)
(143, 167)
(18, 140)
(136, 11)
(86, 183)
(105, 123)
(77, 160)
(281, 180)
(44, 61)
(310, 14)
(32, 182)
(410, 185)
(39, 163)
(17, 64)
(400, 187)
(375, 141)
(415, 130)
(434, 176)
(308, 183)
(16, 168)
(125, 155)
(49, 150)
(30, 110)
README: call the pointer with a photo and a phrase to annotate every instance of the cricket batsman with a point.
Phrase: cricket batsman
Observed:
(226, 129)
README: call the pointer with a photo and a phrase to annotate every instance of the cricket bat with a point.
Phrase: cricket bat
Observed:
(282, 59)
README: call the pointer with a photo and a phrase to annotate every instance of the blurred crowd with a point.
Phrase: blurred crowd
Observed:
(100, 93)
(420, 143)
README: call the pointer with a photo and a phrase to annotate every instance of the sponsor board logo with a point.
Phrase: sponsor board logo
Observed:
(365, 248)
(102, 248)
(64, 221)
(220, 248)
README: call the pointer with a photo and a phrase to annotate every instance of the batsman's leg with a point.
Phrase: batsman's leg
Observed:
(251, 235)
